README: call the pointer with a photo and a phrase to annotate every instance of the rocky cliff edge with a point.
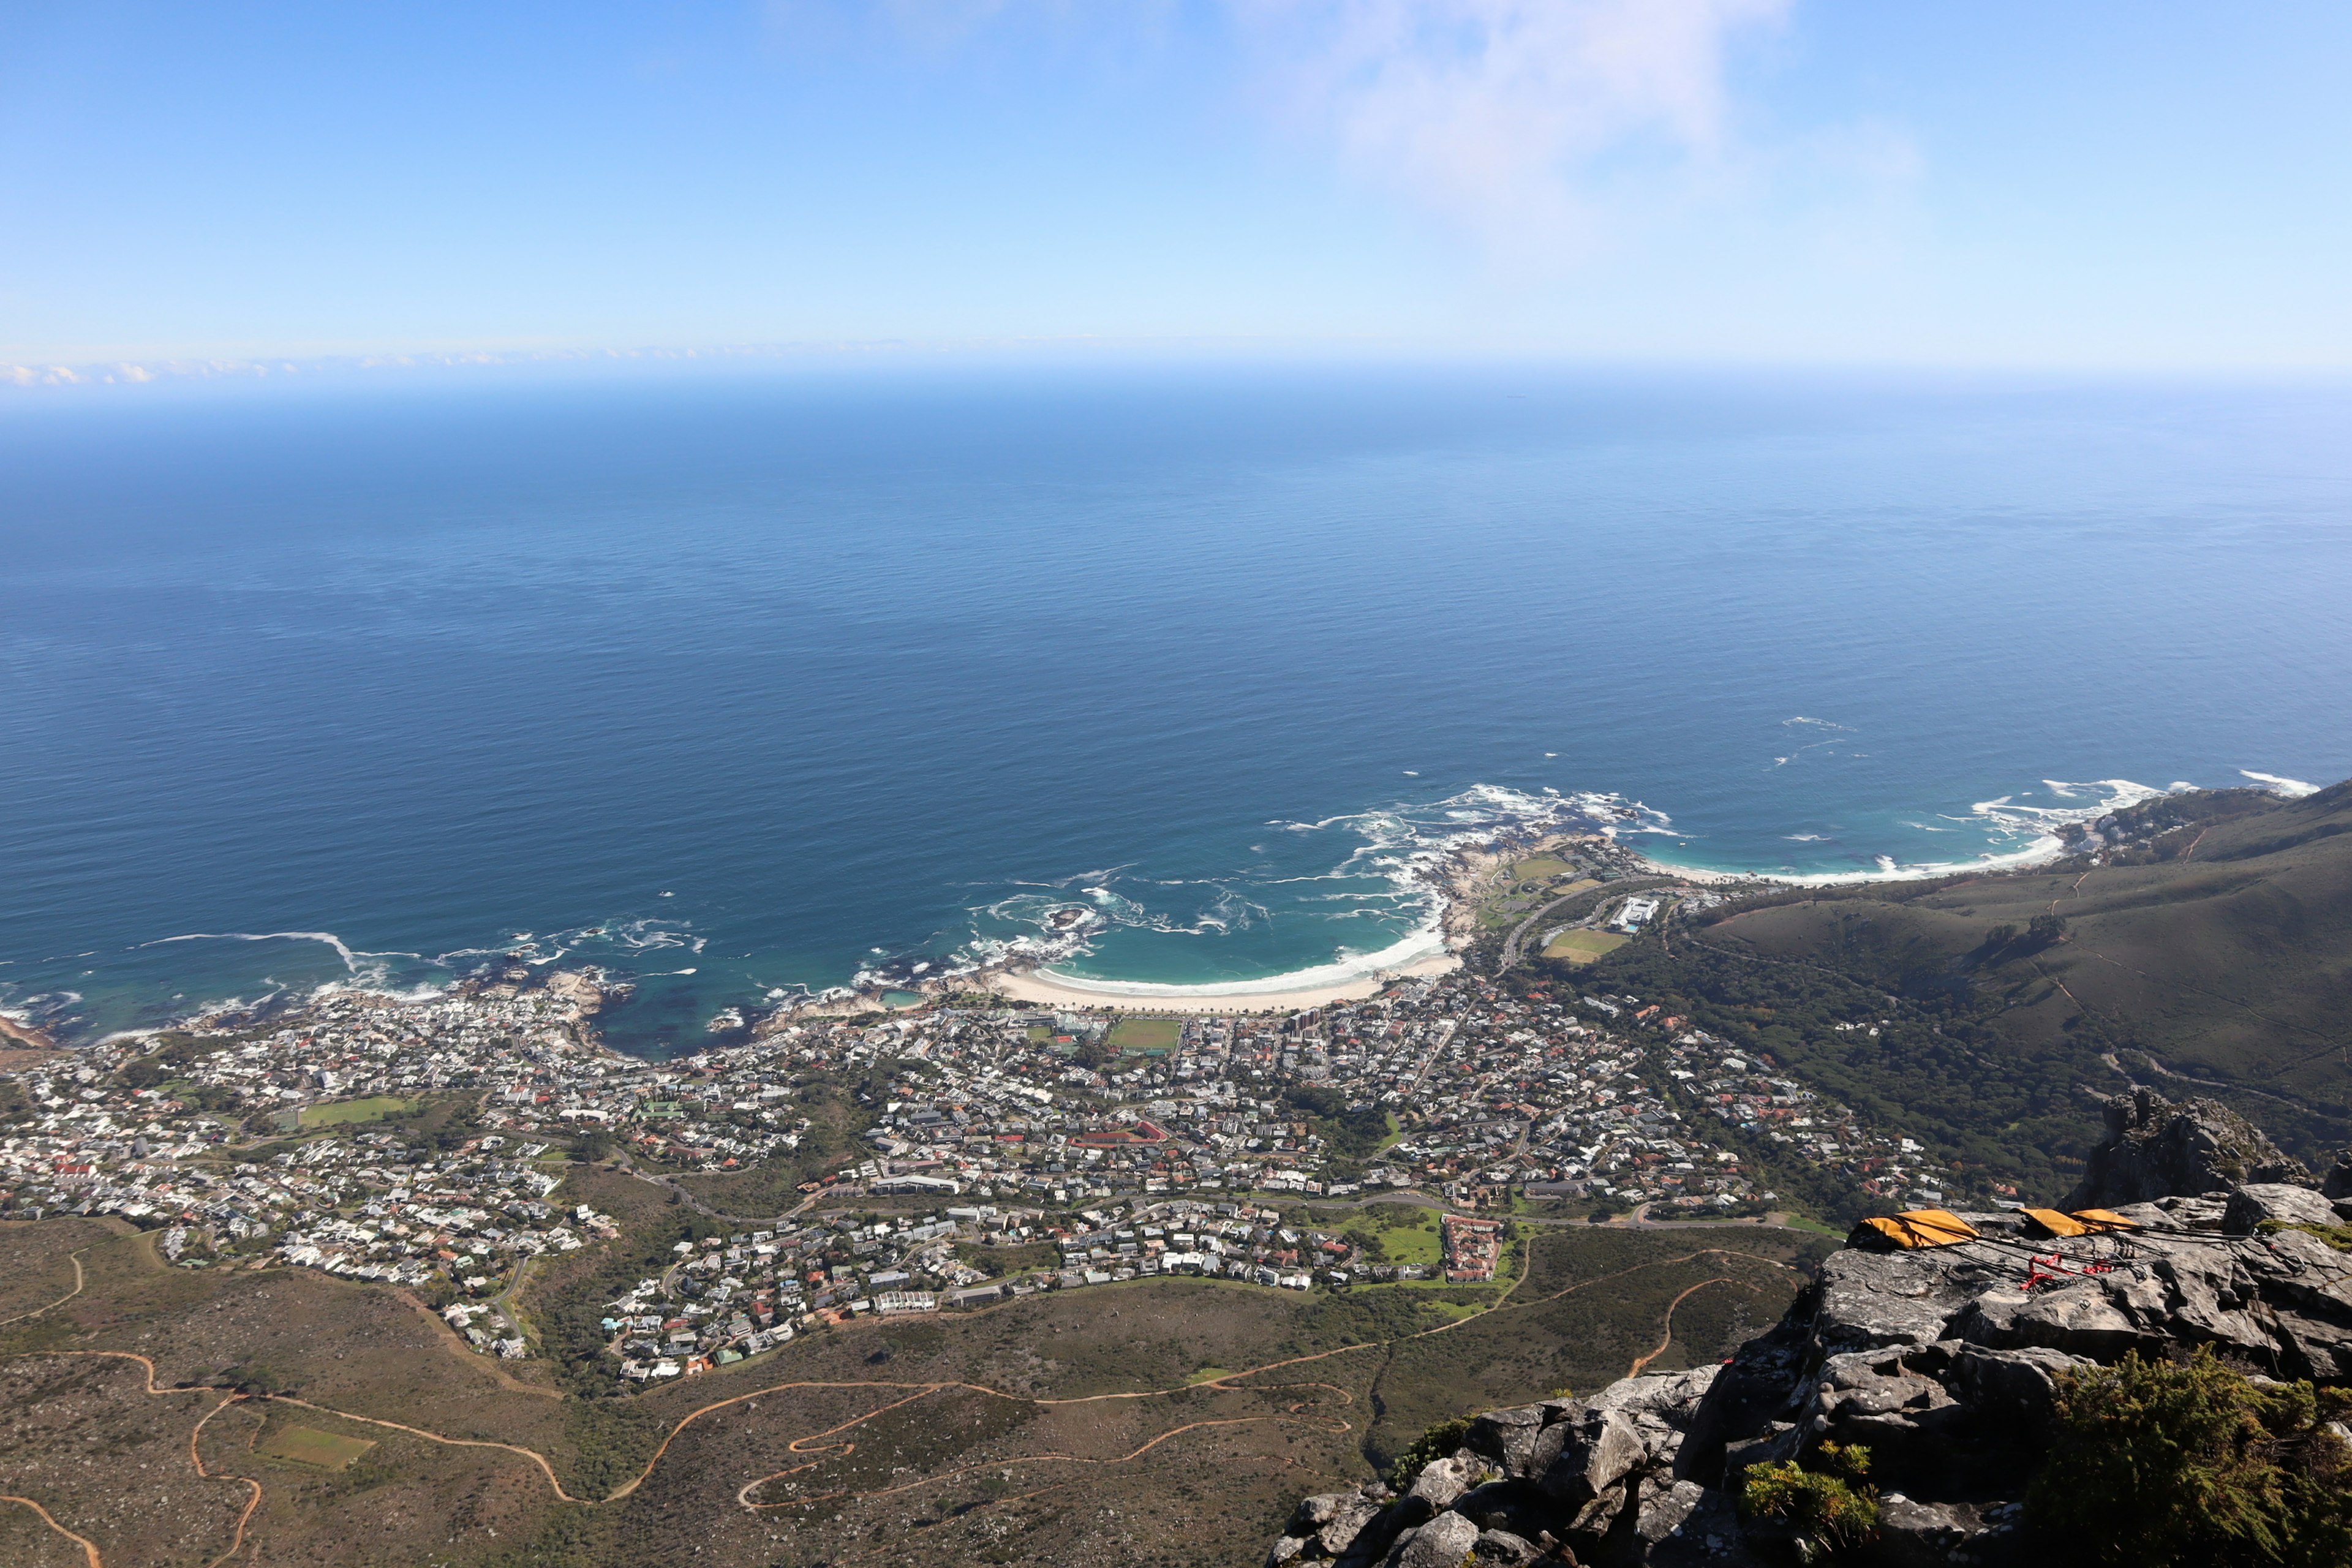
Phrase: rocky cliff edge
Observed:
(1944, 1362)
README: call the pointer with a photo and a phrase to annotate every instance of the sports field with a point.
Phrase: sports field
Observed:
(1145, 1034)
(342, 1110)
(309, 1446)
(1584, 946)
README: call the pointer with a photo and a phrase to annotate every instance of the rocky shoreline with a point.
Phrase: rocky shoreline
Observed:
(1944, 1362)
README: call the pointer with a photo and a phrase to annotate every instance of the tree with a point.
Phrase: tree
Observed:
(2047, 930)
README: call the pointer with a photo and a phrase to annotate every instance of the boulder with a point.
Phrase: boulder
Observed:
(2014, 1390)
(1706, 1533)
(1335, 1534)
(1518, 1507)
(2155, 1149)
(2252, 1203)
(2337, 1183)
(1597, 1451)
(1508, 1436)
(1503, 1549)
(1925, 1534)
(1437, 1487)
(1442, 1542)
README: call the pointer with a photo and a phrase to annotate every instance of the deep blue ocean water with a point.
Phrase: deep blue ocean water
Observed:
(738, 683)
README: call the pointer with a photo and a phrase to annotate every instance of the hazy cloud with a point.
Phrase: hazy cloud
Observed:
(1527, 121)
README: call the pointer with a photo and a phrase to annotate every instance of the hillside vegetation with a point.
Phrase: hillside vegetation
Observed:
(2208, 949)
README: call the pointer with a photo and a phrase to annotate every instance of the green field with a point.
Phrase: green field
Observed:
(309, 1446)
(343, 1111)
(1145, 1034)
(1542, 868)
(1584, 946)
(1407, 1232)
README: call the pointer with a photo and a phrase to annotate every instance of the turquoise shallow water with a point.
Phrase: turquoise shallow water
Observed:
(744, 684)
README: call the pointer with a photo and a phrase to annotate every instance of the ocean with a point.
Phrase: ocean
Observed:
(745, 682)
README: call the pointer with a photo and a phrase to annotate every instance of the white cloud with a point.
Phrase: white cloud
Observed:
(1529, 122)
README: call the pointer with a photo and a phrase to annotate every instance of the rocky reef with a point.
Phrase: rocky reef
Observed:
(1943, 1361)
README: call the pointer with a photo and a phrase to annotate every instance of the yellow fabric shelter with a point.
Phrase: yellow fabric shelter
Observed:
(2055, 1223)
(1921, 1227)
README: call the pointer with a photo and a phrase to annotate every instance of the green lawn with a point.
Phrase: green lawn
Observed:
(1584, 946)
(1144, 1034)
(309, 1446)
(1542, 868)
(1407, 1233)
(374, 1109)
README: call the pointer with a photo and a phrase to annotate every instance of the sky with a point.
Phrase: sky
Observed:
(1834, 182)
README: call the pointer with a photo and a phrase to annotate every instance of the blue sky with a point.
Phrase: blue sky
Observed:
(2088, 185)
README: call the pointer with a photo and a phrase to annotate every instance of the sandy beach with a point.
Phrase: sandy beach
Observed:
(1040, 989)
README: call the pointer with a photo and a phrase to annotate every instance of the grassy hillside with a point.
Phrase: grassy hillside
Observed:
(2208, 951)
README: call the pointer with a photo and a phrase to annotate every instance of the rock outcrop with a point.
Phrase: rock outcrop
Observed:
(2155, 1149)
(1944, 1362)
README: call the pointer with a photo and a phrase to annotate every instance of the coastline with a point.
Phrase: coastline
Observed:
(27, 1037)
(1034, 985)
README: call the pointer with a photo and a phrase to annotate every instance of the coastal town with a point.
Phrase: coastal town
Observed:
(951, 1154)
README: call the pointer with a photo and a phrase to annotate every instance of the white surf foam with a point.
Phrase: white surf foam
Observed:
(2293, 789)
(2033, 829)
(350, 960)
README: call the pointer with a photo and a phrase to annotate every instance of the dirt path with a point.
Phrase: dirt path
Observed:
(73, 1257)
(1304, 1413)
(1667, 1338)
(88, 1550)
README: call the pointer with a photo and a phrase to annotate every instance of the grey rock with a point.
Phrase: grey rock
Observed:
(1776, 1444)
(1870, 1301)
(1500, 1546)
(2155, 1149)
(2012, 1390)
(2252, 1203)
(1661, 1510)
(1286, 1549)
(1518, 1507)
(1313, 1513)
(1508, 1436)
(1925, 1536)
(2337, 1183)
(1442, 1542)
(1707, 1534)
(1592, 1522)
(1597, 1451)
(1338, 1532)
(1438, 1485)
(2078, 1320)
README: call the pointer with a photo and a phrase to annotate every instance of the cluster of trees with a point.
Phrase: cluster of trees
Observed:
(1352, 1136)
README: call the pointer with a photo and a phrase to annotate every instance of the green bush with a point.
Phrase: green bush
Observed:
(1828, 1507)
(1428, 1448)
(2157, 1463)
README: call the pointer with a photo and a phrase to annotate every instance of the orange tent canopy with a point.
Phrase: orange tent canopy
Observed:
(1921, 1228)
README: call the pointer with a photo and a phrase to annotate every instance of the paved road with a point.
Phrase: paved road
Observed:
(1511, 954)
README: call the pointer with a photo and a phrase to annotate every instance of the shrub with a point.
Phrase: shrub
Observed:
(2156, 1463)
(1828, 1507)
(1432, 1446)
